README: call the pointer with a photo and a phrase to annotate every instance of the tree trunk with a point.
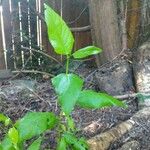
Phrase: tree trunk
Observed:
(145, 22)
(103, 17)
(104, 22)
(133, 22)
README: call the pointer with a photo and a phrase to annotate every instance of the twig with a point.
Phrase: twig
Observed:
(131, 95)
(81, 29)
(76, 29)
(33, 71)
(39, 97)
(78, 17)
(38, 51)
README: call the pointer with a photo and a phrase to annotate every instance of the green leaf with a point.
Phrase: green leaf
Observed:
(36, 144)
(1, 148)
(72, 140)
(59, 34)
(62, 144)
(87, 51)
(5, 119)
(2, 118)
(35, 123)
(70, 122)
(82, 141)
(91, 99)
(68, 87)
(13, 135)
(7, 144)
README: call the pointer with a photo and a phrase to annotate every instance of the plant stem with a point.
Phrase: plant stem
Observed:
(67, 64)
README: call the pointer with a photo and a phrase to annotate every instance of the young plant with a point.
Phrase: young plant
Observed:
(69, 88)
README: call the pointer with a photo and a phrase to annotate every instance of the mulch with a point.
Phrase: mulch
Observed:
(16, 104)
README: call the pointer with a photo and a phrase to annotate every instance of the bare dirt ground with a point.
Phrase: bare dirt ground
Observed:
(15, 101)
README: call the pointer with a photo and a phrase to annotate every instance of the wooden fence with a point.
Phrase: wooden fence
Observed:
(22, 28)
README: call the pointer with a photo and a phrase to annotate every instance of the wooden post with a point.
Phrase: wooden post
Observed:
(105, 31)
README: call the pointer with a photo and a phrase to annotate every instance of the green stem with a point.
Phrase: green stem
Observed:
(67, 64)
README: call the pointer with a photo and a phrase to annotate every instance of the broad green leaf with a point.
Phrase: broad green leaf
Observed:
(35, 145)
(35, 123)
(2, 118)
(62, 144)
(13, 135)
(91, 99)
(5, 119)
(70, 138)
(82, 141)
(7, 144)
(87, 51)
(1, 148)
(68, 88)
(74, 142)
(59, 34)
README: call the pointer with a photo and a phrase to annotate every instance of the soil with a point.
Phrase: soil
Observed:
(15, 103)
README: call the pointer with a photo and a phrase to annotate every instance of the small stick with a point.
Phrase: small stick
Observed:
(131, 95)
(33, 71)
(38, 51)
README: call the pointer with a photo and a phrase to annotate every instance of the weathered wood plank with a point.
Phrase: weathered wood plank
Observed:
(8, 32)
(2, 59)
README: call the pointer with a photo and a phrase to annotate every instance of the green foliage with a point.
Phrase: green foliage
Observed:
(62, 145)
(31, 125)
(87, 51)
(4, 119)
(69, 90)
(6, 144)
(73, 141)
(13, 135)
(35, 123)
(35, 145)
(93, 100)
(68, 87)
(59, 34)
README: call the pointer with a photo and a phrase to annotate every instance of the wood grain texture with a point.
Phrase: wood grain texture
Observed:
(103, 17)
(2, 60)
(133, 22)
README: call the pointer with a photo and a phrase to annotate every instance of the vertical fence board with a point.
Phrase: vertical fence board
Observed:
(81, 19)
(8, 32)
(2, 60)
(16, 34)
(71, 12)
(25, 30)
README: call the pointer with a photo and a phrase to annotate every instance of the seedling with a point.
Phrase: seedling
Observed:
(70, 92)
